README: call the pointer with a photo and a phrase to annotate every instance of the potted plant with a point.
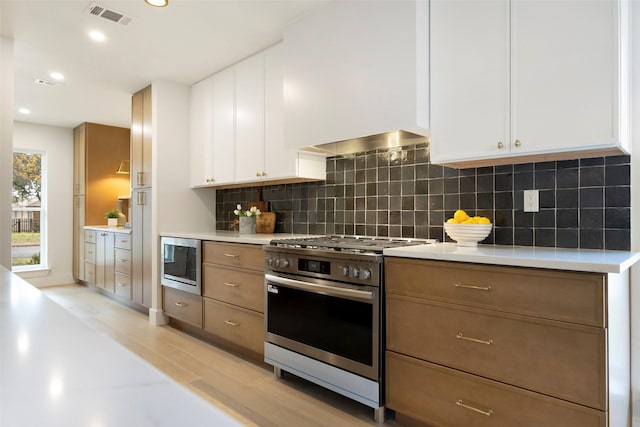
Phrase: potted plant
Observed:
(247, 219)
(112, 217)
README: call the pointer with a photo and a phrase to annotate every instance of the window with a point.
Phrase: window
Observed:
(28, 250)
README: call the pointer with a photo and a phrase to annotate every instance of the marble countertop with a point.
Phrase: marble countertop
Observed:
(56, 371)
(119, 229)
(234, 236)
(524, 256)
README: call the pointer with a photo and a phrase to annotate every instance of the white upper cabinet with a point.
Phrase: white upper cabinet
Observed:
(527, 80)
(356, 68)
(237, 128)
(201, 137)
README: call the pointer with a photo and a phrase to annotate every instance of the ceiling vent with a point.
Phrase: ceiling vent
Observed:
(109, 14)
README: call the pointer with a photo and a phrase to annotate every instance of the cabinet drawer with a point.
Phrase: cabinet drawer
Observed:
(444, 397)
(239, 326)
(183, 306)
(559, 359)
(123, 285)
(90, 252)
(234, 255)
(238, 287)
(90, 236)
(123, 261)
(568, 296)
(123, 241)
(90, 272)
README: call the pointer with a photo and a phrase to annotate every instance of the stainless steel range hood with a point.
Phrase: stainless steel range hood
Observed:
(399, 138)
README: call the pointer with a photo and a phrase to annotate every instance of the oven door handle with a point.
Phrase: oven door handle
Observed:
(320, 289)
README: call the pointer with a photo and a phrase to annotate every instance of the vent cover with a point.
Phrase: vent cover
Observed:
(46, 82)
(109, 14)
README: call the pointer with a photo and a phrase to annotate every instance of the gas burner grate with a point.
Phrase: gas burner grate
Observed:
(349, 244)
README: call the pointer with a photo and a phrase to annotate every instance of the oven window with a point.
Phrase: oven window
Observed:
(337, 325)
(180, 262)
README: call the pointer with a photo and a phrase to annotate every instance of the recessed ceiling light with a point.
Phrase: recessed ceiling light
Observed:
(157, 3)
(24, 111)
(56, 75)
(97, 36)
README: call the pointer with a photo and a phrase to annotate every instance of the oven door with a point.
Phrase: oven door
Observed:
(335, 323)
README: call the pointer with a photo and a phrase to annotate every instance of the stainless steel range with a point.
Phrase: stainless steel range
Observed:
(325, 312)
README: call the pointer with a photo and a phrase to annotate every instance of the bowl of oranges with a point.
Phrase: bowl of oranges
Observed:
(467, 230)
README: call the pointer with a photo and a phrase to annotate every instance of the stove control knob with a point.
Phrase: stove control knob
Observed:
(365, 274)
(283, 263)
(344, 271)
(354, 272)
(270, 261)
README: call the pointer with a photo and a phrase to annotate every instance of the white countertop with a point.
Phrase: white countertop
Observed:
(234, 236)
(119, 229)
(56, 371)
(524, 256)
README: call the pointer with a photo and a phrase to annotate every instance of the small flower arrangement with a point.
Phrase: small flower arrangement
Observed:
(253, 211)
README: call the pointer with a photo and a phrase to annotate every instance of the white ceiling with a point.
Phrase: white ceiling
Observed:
(184, 42)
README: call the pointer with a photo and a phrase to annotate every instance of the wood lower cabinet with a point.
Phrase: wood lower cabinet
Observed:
(498, 346)
(233, 291)
(122, 247)
(183, 306)
(107, 260)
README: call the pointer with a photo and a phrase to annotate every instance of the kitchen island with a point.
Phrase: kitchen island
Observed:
(57, 371)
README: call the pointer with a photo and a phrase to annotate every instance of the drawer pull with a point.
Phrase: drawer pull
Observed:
(479, 288)
(232, 285)
(229, 322)
(123, 260)
(488, 413)
(462, 337)
(181, 304)
(232, 255)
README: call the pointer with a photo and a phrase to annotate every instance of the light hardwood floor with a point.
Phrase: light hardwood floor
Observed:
(246, 390)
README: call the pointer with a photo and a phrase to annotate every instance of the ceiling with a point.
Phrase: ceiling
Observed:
(183, 42)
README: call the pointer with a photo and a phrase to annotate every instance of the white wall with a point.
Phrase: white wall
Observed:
(57, 144)
(6, 146)
(174, 206)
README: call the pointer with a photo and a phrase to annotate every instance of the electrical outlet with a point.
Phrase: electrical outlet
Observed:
(531, 201)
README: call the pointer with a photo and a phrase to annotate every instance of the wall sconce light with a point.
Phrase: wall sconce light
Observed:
(124, 167)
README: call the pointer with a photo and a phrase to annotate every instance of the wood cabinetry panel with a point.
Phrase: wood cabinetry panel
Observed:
(234, 255)
(436, 395)
(234, 324)
(90, 273)
(559, 359)
(90, 252)
(123, 285)
(567, 296)
(183, 306)
(123, 241)
(123, 261)
(235, 286)
(89, 236)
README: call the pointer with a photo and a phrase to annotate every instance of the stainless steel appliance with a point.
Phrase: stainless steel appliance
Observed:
(325, 312)
(181, 262)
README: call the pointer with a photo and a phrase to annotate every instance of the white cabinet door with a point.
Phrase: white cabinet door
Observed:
(564, 91)
(201, 137)
(223, 126)
(278, 160)
(469, 78)
(250, 118)
(564, 74)
(356, 68)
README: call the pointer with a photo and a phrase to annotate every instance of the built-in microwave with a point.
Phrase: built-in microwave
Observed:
(181, 261)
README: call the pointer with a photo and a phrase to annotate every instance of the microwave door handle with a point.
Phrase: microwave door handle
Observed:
(320, 289)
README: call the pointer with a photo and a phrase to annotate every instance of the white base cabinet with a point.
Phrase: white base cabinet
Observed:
(517, 81)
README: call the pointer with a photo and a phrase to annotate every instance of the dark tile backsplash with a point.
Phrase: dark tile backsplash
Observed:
(397, 193)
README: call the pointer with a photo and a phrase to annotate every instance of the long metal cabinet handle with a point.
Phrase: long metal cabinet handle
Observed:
(319, 288)
(461, 403)
(140, 179)
(229, 322)
(231, 285)
(181, 304)
(479, 288)
(232, 255)
(142, 198)
(479, 341)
